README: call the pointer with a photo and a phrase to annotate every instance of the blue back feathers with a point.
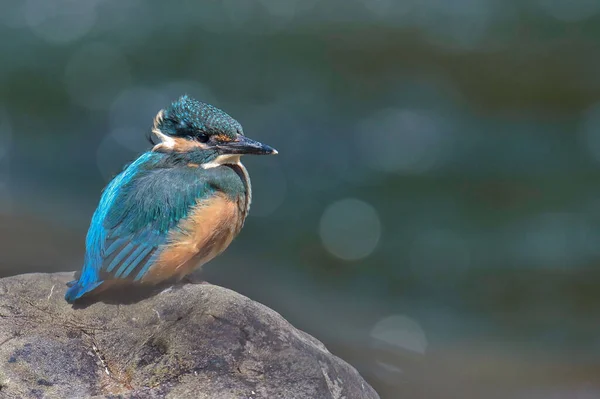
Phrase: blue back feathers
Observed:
(96, 235)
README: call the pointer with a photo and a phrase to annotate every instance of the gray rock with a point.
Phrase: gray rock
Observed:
(193, 341)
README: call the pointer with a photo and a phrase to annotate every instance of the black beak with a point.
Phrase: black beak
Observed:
(243, 145)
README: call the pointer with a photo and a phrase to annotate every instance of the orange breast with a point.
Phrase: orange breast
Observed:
(204, 234)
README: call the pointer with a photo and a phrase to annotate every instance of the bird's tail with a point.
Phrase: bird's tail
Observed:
(77, 289)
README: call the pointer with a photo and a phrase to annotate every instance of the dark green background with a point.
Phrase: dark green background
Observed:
(471, 127)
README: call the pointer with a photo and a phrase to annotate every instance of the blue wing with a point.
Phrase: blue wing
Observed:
(136, 213)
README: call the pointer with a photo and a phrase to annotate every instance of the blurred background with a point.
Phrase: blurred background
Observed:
(434, 214)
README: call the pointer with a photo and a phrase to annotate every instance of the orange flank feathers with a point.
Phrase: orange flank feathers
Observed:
(208, 231)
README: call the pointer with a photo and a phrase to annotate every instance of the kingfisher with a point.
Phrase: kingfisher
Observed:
(174, 208)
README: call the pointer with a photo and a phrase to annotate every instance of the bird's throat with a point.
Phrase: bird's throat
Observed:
(242, 173)
(226, 159)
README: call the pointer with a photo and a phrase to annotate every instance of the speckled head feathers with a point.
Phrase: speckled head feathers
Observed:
(188, 125)
(189, 117)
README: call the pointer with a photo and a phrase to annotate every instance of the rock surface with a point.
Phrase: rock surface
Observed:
(193, 341)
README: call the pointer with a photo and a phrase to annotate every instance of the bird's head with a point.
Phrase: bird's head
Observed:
(190, 125)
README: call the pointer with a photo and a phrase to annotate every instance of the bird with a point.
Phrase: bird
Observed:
(176, 207)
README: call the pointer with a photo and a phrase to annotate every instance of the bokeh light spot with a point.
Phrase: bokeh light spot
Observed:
(402, 332)
(403, 337)
(350, 229)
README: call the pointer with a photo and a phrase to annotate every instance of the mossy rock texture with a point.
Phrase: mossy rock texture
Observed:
(191, 341)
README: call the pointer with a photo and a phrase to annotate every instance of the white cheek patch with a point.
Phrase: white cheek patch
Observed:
(221, 160)
(165, 141)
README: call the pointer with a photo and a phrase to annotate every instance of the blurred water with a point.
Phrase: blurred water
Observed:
(433, 214)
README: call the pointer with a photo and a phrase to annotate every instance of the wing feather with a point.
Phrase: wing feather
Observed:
(145, 211)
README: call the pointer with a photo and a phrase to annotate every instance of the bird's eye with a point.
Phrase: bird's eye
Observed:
(202, 137)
